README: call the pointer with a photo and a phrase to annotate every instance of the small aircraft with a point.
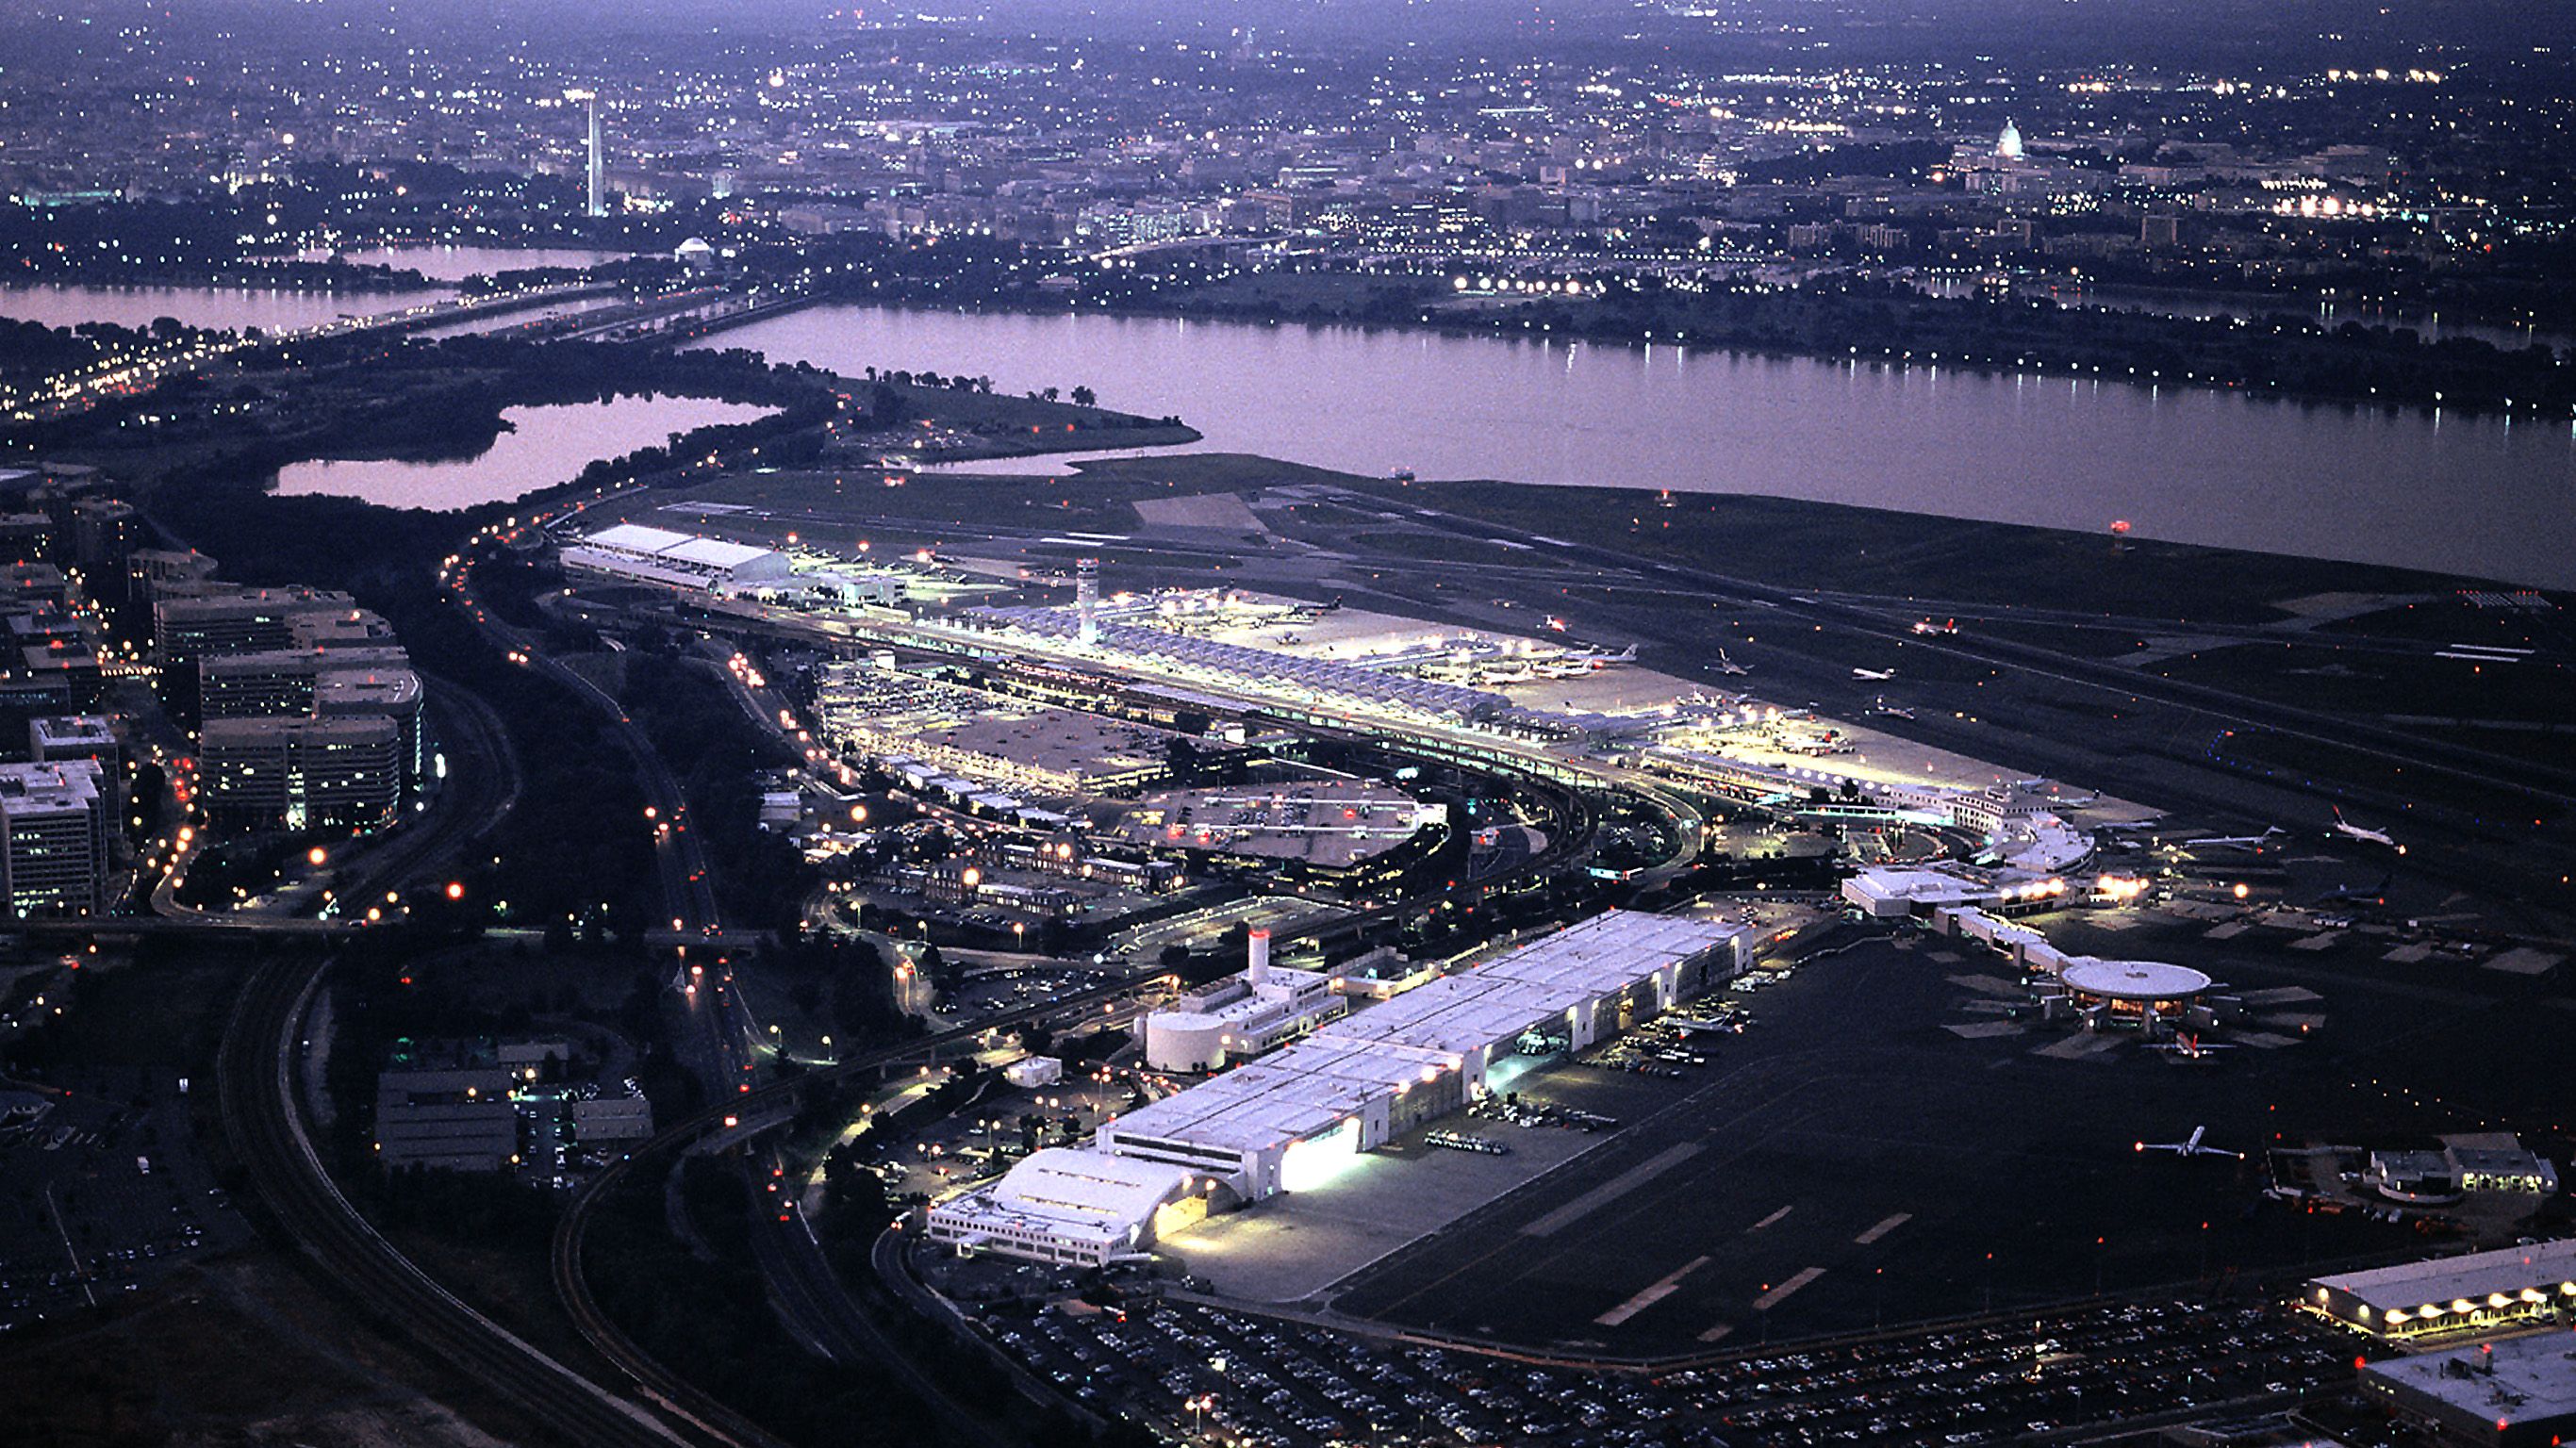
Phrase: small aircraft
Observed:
(1725, 665)
(2190, 1147)
(1882, 709)
(1881, 675)
(1945, 626)
(2190, 1047)
(2350, 830)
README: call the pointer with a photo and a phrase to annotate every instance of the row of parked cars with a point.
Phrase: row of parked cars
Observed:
(1202, 1374)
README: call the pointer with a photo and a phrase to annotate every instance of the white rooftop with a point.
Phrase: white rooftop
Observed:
(2526, 1378)
(1311, 1086)
(2132, 980)
(2444, 1280)
(712, 552)
(1071, 1196)
(636, 538)
(1284, 1097)
(1060, 1181)
(1930, 885)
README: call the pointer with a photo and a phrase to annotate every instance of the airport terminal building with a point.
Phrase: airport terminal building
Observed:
(1285, 1120)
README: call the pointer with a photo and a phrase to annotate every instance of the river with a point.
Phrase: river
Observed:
(277, 309)
(2476, 496)
(271, 309)
(547, 445)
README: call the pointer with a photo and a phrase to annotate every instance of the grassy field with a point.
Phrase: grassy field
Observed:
(244, 1351)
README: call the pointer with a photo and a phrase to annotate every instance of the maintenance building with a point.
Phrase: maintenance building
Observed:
(1286, 1121)
(2479, 1292)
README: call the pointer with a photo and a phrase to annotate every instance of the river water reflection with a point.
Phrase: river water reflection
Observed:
(549, 445)
(2472, 495)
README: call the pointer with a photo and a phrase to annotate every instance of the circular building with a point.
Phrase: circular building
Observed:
(2142, 991)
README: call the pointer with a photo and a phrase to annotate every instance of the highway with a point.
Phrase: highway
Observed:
(76, 391)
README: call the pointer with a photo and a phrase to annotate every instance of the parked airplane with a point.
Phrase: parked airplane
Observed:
(1885, 710)
(2350, 830)
(1725, 665)
(2190, 1046)
(1882, 675)
(2191, 1147)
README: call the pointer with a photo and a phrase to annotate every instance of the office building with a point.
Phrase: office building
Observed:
(446, 1118)
(1240, 1016)
(55, 856)
(236, 621)
(2517, 1393)
(56, 737)
(154, 574)
(379, 693)
(299, 774)
(271, 683)
(103, 538)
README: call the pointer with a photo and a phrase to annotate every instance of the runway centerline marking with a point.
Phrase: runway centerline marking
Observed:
(1626, 1181)
(1883, 1228)
(1767, 1221)
(1771, 1299)
(1651, 1295)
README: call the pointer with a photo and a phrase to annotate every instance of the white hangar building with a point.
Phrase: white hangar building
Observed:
(1286, 1120)
(1071, 1206)
(639, 554)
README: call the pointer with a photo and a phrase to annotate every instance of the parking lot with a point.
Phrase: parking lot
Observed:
(1270, 1383)
(106, 1194)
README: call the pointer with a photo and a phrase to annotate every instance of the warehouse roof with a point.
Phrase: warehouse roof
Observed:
(1309, 1087)
(1303, 1091)
(662, 543)
(1070, 1196)
(2525, 1379)
(2445, 1280)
